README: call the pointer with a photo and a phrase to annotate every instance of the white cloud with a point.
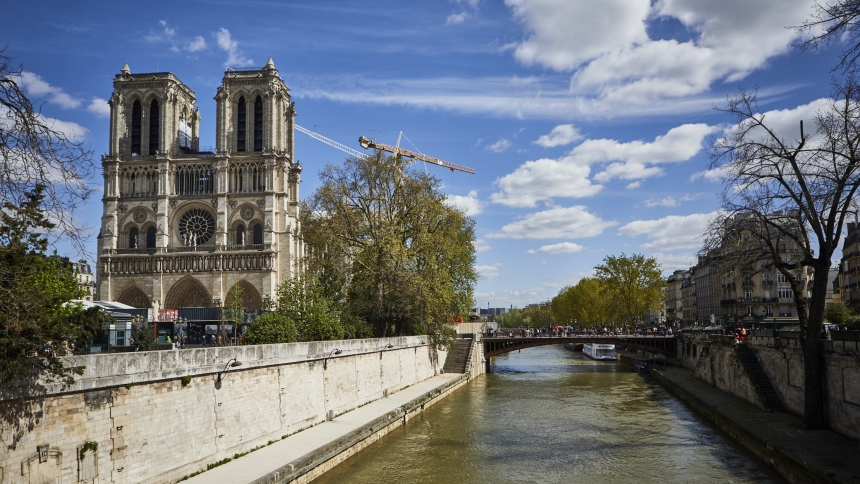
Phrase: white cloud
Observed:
(678, 144)
(196, 45)
(457, 18)
(628, 171)
(543, 98)
(235, 57)
(715, 175)
(99, 107)
(556, 223)
(563, 134)
(500, 146)
(562, 248)
(671, 262)
(633, 185)
(674, 232)
(568, 177)
(670, 201)
(470, 204)
(481, 245)
(544, 179)
(785, 123)
(38, 87)
(487, 272)
(167, 35)
(607, 46)
(564, 34)
(163, 34)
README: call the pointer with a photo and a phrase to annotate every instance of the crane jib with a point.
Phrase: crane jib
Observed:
(419, 156)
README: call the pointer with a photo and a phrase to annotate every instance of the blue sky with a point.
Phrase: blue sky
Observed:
(588, 123)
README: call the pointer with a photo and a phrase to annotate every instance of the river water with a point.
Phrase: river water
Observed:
(548, 415)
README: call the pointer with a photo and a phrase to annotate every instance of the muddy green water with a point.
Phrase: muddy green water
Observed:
(548, 415)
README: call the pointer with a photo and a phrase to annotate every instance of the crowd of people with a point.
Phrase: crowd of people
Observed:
(569, 331)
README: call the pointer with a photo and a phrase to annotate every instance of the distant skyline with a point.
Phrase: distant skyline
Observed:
(588, 123)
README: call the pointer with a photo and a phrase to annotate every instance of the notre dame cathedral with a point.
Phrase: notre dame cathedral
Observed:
(183, 225)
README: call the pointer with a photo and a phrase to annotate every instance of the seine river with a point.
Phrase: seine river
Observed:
(548, 415)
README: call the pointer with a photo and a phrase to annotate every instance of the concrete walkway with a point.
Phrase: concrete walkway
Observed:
(264, 461)
(828, 456)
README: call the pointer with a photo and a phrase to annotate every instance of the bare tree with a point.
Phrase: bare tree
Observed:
(794, 193)
(33, 152)
(836, 22)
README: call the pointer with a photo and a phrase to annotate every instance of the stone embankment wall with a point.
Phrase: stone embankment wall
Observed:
(712, 359)
(158, 416)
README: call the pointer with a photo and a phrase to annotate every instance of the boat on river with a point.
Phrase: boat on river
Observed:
(599, 351)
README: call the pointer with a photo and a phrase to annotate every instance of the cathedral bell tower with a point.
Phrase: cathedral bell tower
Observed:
(189, 226)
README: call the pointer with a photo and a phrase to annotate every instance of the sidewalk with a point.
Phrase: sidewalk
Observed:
(269, 459)
(778, 438)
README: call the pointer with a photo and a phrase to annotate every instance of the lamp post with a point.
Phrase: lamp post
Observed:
(232, 362)
(334, 352)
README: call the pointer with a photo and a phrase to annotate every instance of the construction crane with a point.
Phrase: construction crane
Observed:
(331, 142)
(371, 143)
(398, 152)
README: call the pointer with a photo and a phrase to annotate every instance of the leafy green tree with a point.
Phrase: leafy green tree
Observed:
(632, 285)
(384, 243)
(512, 319)
(143, 338)
(585, 303)
(270, 328)
(37, 323)
(838, 313)
(234, 310)
(538, 317)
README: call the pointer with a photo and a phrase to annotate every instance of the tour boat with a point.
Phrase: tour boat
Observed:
(599, 351)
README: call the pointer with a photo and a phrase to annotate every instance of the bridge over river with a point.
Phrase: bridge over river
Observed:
(497, 345)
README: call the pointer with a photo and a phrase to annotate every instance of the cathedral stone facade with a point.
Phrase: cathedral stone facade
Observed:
(184, 226)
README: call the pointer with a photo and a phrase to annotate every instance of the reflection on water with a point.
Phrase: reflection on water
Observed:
(548, 415)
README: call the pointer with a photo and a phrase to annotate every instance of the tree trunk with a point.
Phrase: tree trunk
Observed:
(814, 397)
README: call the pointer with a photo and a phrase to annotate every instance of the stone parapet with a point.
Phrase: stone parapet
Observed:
(154, 417)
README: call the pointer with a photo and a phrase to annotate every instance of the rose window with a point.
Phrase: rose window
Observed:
(196, 227)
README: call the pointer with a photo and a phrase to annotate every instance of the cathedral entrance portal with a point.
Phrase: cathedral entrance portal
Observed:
(134, 297)
(248, 295)
(188, 293)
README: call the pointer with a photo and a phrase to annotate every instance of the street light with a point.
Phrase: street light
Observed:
(232, 363)
(334, 352)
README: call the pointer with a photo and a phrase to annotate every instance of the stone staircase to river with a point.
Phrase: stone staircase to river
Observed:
(761, 382)
(458, 357)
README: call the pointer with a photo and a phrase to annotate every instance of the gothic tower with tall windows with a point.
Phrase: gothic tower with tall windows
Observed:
(185, 225)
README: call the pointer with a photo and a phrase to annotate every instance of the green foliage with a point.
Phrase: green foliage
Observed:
(585, 304)
(538, 317)
(268, 328)
(186, 380)
(37, 325)
(386, 246)
(633, 284)
(142, 337)
(234, 310)
(88, 447)
(512, 319)
(838, 313)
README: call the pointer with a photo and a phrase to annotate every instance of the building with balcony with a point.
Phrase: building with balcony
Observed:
(753, 289)
(849, 268)
(84, 276)
(188, 226)
(673, 298)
